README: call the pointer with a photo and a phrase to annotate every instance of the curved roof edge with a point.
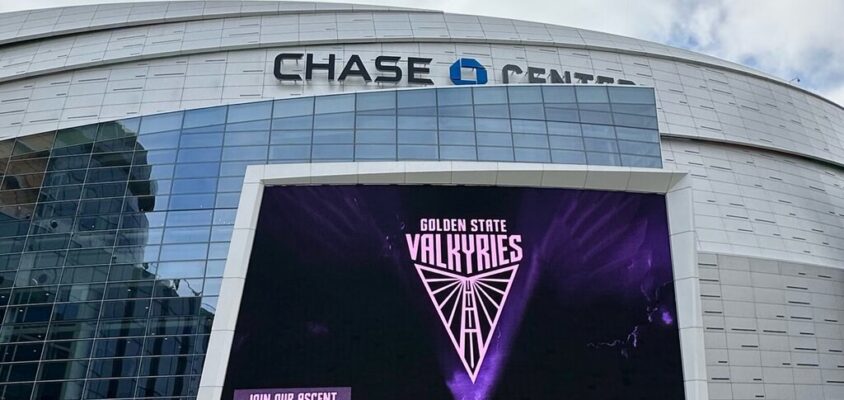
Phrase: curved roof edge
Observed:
(168, 11)
(156, 12)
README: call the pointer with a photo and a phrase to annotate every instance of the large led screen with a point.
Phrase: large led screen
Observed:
(457, 292)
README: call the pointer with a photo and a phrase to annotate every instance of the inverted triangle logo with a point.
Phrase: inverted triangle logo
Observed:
(469, 308)
(468, 278)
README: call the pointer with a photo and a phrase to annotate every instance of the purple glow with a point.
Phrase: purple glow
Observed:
(596, 268)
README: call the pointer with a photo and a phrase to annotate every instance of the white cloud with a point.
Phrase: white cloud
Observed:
(782, 37)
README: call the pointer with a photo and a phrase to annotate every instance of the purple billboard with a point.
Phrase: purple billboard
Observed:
(452, 292)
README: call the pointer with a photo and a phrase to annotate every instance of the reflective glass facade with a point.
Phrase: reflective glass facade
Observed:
(113, 236)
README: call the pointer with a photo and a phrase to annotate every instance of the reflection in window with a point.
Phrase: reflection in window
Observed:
(113, 236)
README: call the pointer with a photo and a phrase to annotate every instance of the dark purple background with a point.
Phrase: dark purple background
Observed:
(332, 298)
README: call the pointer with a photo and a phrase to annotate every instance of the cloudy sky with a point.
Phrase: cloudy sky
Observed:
(787, 38)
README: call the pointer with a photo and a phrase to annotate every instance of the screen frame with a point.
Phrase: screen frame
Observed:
(675, 185)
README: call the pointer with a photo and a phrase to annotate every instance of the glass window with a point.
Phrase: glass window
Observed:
(568, 157)
(375, 136)
(495, 153)
(221, 233)
(417, 136)
(205, 117)
(111, 367)
(58, 390)
(33, 146)
(218, 250)
(525, 94)
(641, 161)
(455, 111)
(107, 174)
(247, 138)
(492, 125)
(125, 309)
(558, 94)
(161, 122)
(595, 117)
(494, 139)
(648, 110)
(537, 141)
(155, 157)
(203, 185)
(454, 96)
(334, 104)
(417, 122)
(230, 184)
(237, 168)
(334, 121)
(458, 153)
(249, 111)
(291, 137)
(642, 135)
(62, 370)
(224, 217)
(603, 158)
(180, 269)
(72, 330)
(189, 218)
(632, 95)
(499, 111)
(527, 111)
(457, 137)
(457, 123)
(109, 388)
(334, 136)
(604, 145)
(639, 148)
(201, 140)
(567, 114)
(375, 152)
(566, 142)
(636, 121)
(591, 94)
(22, 181)
(415, 98)
(528, 126)
(182, 252)
(293, 107)
(245, 153)
(306, 122)
(75, 136)
(375, 121)
(490, 95)
(129, 327)
(162, 140)
(377, 100)
(532, 155)
(262, 125)
(291, 152)
(76, 311)
(333, 152)
(601, 131)
(199, 170)
(200, 155)
(191, 201)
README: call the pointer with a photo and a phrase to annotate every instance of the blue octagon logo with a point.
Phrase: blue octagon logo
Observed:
(456, 72)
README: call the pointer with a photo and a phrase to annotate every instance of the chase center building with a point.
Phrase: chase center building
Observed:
(138, 143)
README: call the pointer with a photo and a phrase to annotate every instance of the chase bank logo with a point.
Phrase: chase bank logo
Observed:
(456, 72)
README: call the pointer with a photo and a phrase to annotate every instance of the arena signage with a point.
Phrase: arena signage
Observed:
(413, 292)
(389, 65)
(394, 69)
(539, 75)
